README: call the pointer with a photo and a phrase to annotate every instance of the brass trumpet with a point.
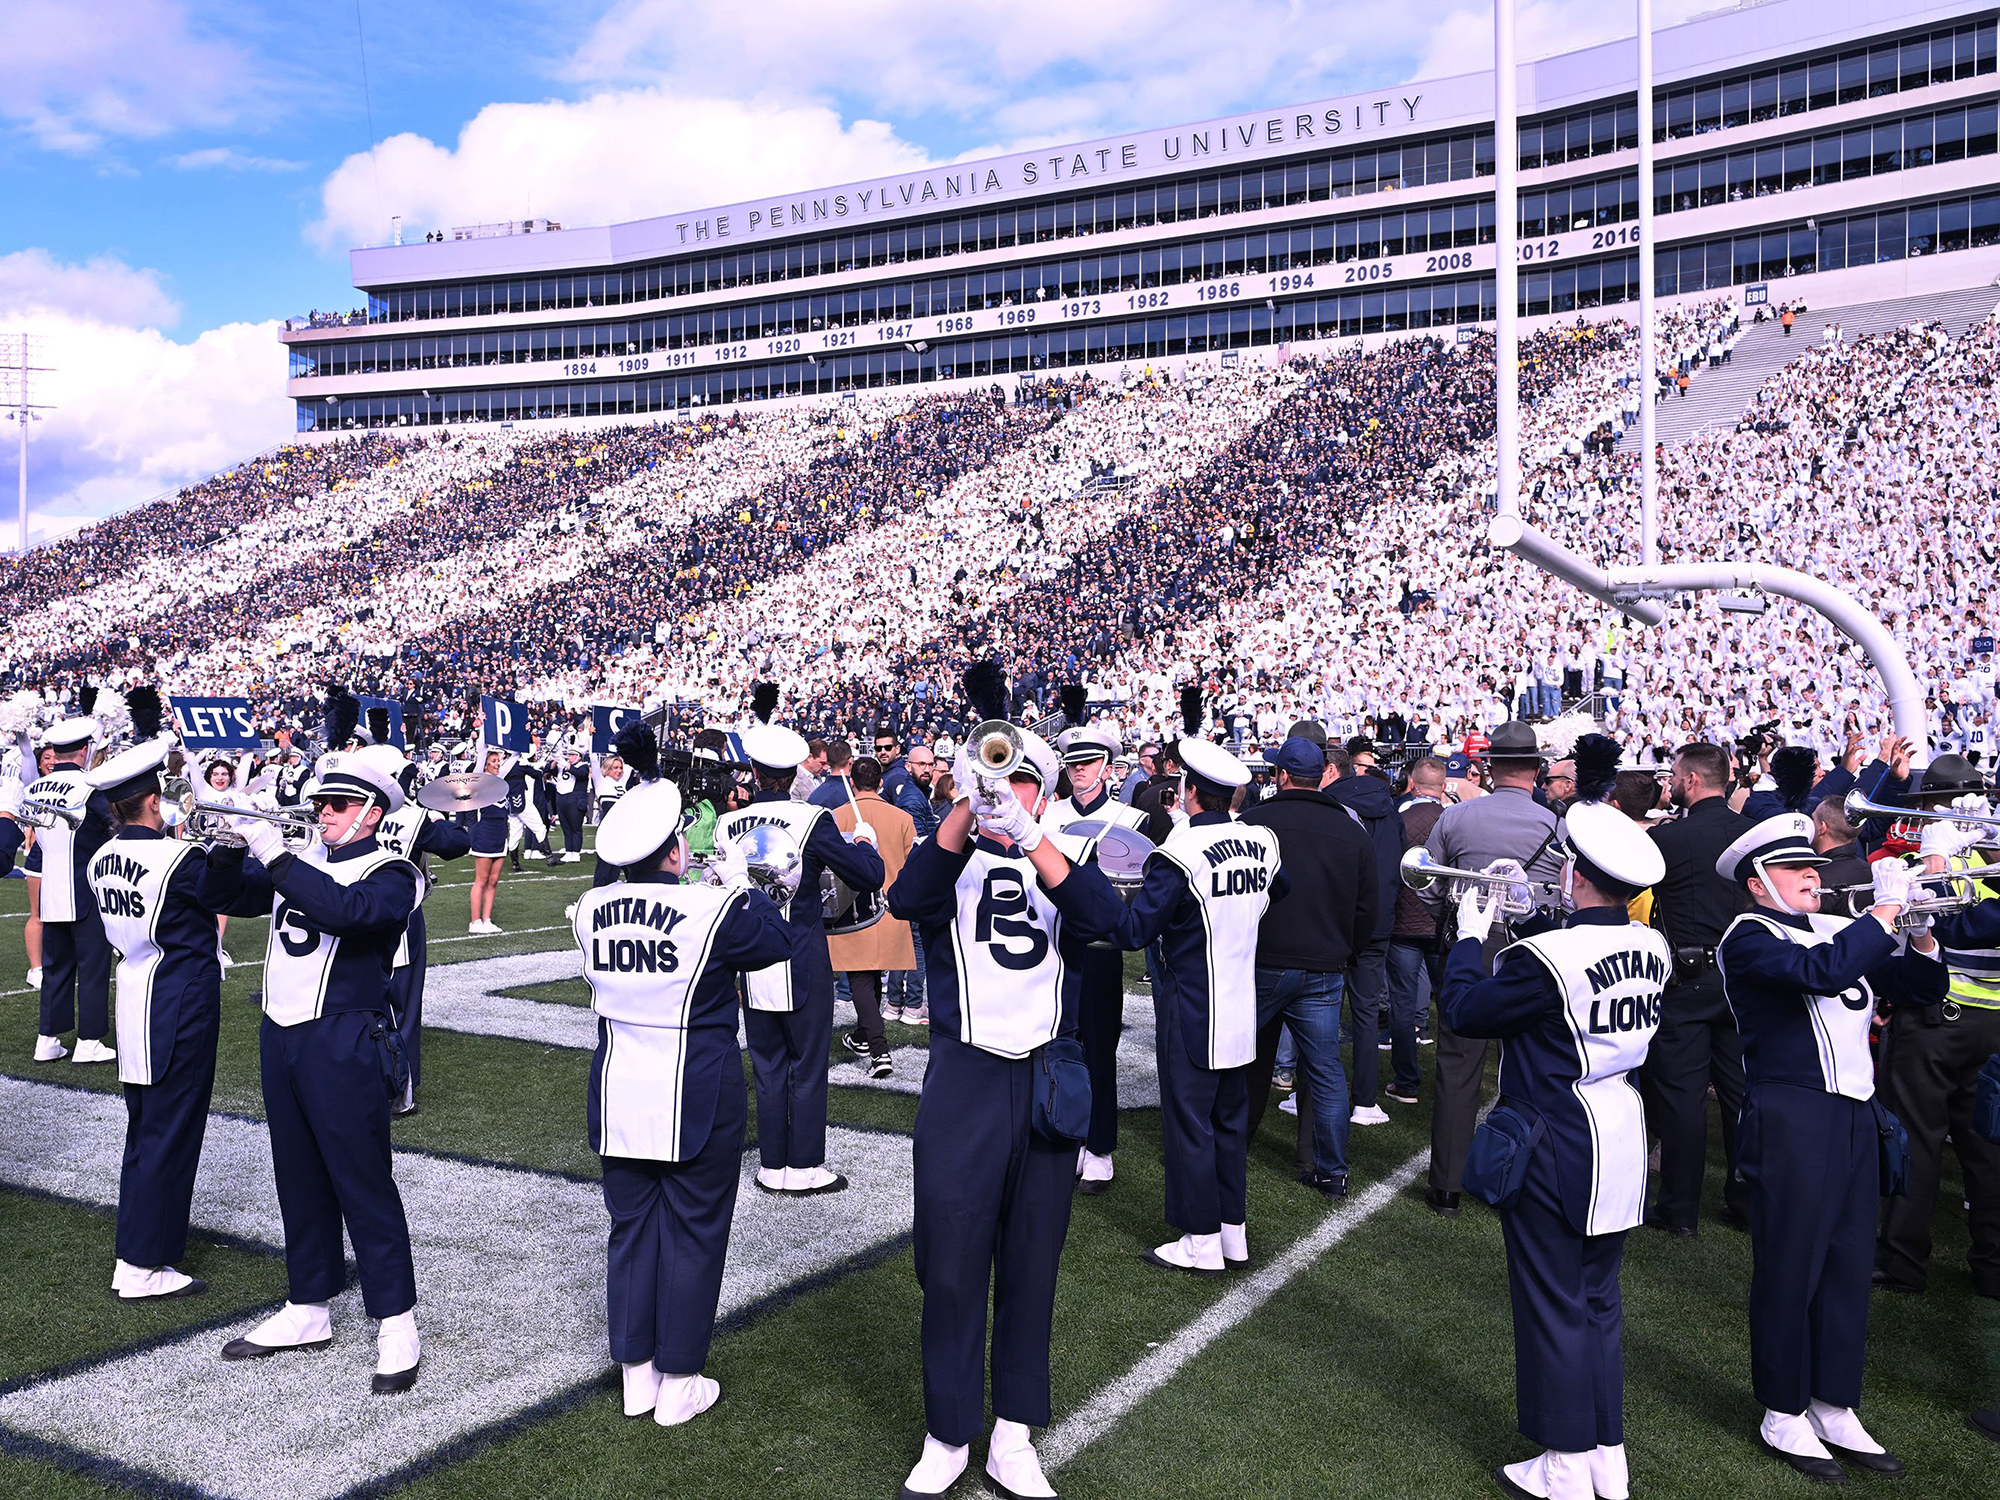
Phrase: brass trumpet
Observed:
(204, 820)
(1918, 911)
(1519, 896)
(1859, 809)
(35, 813)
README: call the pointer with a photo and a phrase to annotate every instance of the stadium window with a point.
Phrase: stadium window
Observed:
(1735, 103)
(1985, 221)
(1891, 235)
(1980, 134)
(1853, 82)
(1798, 165)
(1764, 96)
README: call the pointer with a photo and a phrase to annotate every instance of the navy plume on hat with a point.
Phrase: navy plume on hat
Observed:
(1191, 710)
(342, 713)
(148, 712)
(636, 746)
(763, 701)
(1596, 757)
(985, 688)
(1075, 703)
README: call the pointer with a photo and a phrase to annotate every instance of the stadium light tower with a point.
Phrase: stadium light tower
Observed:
(18, 353)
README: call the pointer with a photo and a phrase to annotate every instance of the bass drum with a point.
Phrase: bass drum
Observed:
(1120, 852)
(843, 909)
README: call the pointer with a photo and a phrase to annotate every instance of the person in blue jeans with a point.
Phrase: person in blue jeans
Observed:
(1413, 951)
(1366, 795)
(1303, 955)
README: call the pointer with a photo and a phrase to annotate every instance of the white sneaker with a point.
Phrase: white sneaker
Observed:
(1289, 1105)
(132, 1283)
(1556, 1476)
(1096, 1168)
(296, 1325)
(93, 1052)
(683, 1398)
(473, 929)
(892, 1012)
(1608, 1474)
(642, 1388)
(1012, 1463)
(571, 857)
(494, 929)
(938, 1469)
(1369, 1114)
(227, 961)
(398, 1351)
(1200, 1254)
(1236, 1242)
(569, 912)
(34, 979)
(50, 1049)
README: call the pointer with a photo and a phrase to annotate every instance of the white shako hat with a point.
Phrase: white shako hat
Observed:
(132, 773)
(67, 734)
(1039, 759)
(1208, 761)
(640, 824)
(347, 773)
(1782, 839)
(774, 747)
(1605, 841)
(1091, 742)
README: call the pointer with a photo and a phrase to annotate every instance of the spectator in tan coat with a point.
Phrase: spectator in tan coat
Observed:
(885, 946)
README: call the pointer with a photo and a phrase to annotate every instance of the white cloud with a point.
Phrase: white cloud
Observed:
(229, 159)
(130, 68)
(103, 289)
(135, 413)
(617, 155)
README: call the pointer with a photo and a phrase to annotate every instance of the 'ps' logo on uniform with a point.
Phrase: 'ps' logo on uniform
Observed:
(1002, 921)
(292, 933)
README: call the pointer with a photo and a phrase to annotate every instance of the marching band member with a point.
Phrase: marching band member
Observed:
(1575, 1009)
(417, 833)
(572, 789)
(1004, 919)
(491, 830)
(1803, 986)
(332, 1062)
(1087, 758)
(667, 1103)
(1204, 893)
(76, 958)
(788, 1019)
(158, 904)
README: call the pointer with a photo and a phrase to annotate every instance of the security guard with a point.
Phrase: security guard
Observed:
(1508, 824)
(76, 959)
(788, 1019)
(332, 1060)
(1087, 758)
(1697, 1044)
(1814, 1140)
(1205, 892)
(417, 834)
(1576, 1009)
(667, 1103)
(1933, 1054)
(1004, 919)
(158, 907)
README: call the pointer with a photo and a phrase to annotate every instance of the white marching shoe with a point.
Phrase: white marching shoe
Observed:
(1096, 1172)
(1236, 1243)
(936, 1472)
(93, 1052)
(296, 1325)
(226, 961)
(1547, 1476)
(50, 1049)
(132, 1283)
(1197, 1254)
(1840, 1429)
(642, 1388)
(808, 1182)
(1013, 1469)
(771, 1179)
(1608, 1475)
(34, 978)
(398, 1351)
(682, 1398)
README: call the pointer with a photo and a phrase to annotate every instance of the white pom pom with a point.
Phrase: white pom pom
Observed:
(19, 712)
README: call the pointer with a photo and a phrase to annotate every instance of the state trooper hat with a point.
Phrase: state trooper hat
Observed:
(1514, 740)
(640, 824)
(1950, 775)
(1782, 839)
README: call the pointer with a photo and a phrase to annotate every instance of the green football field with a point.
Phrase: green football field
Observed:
(1365, 1352)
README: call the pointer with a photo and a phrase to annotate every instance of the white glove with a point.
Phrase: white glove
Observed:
(964, 775)
(727, 866)
(263, 838)
(1947, 840)
(1011, 821)
(1893, 881)
(864, 833)
(1477, 908)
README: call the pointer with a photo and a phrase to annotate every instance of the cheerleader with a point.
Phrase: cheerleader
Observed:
(489, 850)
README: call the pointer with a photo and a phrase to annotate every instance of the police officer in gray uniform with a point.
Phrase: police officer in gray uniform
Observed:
(1509, 824)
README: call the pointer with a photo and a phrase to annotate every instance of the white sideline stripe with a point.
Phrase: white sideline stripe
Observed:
(510, 1279)
(1114, 1402)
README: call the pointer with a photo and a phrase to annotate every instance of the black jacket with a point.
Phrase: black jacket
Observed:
(1692, 904)
(1334, 904)
(1370, 799)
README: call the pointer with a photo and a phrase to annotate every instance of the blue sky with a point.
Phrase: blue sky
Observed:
(180, 176)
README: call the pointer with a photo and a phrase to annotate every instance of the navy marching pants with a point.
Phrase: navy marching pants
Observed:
(1205, 1133)
(1100, 1022)
(993, 1202)
(570, 811)
(788, 1059)
(406, 997)
(669, 1238)
(328, 1109)
(165, 1121)
(1810, 1159)
(1569, 1321)
(76, 977)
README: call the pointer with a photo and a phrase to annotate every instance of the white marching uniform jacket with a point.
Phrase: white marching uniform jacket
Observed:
(662, 959)
(1064, 811)
(337, 918)
(1204, 895)
(410, 833)
(153, 895)
(1576, 1010)
(66, 851)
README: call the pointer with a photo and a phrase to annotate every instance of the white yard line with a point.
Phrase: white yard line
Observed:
(1112, 1404)
(510, 1279)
